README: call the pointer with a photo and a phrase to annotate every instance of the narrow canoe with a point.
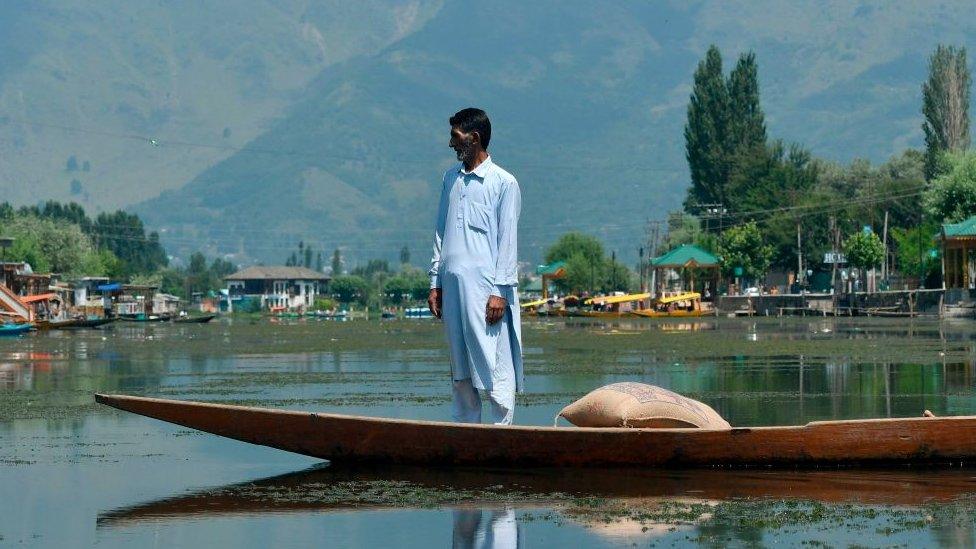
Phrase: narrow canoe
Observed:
(356, 439)
(202, 319)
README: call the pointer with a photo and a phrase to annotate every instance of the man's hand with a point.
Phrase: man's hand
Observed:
(495, 309)
(434, 302)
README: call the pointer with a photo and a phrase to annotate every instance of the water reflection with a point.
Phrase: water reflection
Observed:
(485, 529)
(490, 507)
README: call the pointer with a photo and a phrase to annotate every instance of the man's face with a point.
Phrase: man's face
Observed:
(463, 144)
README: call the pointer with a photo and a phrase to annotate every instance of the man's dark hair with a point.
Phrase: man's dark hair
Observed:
(472, 119)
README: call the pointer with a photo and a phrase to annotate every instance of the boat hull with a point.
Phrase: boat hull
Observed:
(356, 439)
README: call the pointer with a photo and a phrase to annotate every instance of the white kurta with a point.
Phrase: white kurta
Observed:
(475, 256)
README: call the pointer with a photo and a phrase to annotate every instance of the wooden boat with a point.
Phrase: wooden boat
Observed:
(144, 318)
(687, 304)
(612, 306)
(200, 319)
(93, 322)
(356, 439)
(45, 325)
(11, 329)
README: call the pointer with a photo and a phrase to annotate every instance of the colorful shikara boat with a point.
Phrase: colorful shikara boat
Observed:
(946, 441)
(687, 304)
(612, 306)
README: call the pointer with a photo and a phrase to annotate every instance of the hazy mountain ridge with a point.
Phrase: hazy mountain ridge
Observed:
(588, 102)
(200, 72)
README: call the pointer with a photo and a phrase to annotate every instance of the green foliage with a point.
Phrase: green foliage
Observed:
(914, 245)
(336, 263)
(51, 245)
(743, 246)
(124, 235)
(864, 250)
(408, 285)
(349, 288)
(325, 304)
(725, 119)
(705, 132)
(945, 105)
(587, 267)
(951, 197)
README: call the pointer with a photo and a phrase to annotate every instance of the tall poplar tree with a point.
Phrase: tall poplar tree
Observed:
(747, 124)
(705, 132)
(945, 104)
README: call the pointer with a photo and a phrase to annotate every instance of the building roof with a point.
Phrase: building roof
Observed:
(556, 269)
(277, 273)
(686, 255)
(963, 229)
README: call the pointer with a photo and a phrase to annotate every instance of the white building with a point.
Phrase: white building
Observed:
(278, 287)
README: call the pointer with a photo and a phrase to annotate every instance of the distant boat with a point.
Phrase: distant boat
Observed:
(687, 304)
(45, 325)
(417, 312)
(93, 322)
(14, 329)
(199, 319)
(142, 317)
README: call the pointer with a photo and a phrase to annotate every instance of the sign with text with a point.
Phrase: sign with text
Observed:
(834, 257)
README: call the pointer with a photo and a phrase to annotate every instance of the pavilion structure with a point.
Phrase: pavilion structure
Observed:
(958, 242)
(686, 260)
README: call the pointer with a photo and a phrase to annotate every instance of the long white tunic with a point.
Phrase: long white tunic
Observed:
(475, 256)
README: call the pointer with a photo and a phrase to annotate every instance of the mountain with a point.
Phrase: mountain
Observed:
(587, 100)
(85, 86)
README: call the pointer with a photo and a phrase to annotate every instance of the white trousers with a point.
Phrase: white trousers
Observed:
(467, 403)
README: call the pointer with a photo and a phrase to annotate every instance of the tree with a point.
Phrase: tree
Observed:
(951, 197)
(336, 263)
(123, 234)
(72, 164)
(743, 246)
(318, 262)
(945, 105)
(914, 245)
(307, 259)
(747, 123)
(404, 255)
(349, 288)
(864, 250)
(705, 133)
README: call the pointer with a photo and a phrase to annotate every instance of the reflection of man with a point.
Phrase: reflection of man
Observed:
(473, 274)
(474, 531)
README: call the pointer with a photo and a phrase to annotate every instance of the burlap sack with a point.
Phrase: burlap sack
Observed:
(632, 404)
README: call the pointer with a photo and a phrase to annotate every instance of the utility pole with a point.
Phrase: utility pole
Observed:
(799, 258)
(613, 270)
(884, 240)
(833, 269)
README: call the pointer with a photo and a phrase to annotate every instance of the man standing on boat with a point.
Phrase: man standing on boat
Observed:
(473, 274)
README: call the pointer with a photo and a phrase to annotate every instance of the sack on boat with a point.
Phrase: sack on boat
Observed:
(632, 404)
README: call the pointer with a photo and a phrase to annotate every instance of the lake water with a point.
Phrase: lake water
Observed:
(73, 473)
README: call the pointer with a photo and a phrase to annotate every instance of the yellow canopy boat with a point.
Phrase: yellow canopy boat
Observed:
(685, 304)
(612, 305)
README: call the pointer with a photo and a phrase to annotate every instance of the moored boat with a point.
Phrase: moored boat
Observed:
(199, 319)
(93, 322)
(11, 329)
(612, 306)
(343, 438)
(686, 304)
(45, 325)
